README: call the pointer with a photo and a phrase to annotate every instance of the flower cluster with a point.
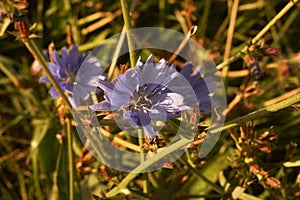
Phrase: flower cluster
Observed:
(65, 70)
(149, 92)
(154, 92)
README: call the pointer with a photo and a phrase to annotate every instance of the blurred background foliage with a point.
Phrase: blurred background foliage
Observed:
(243, 164)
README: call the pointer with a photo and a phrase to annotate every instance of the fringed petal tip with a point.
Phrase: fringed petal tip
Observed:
(149, 59)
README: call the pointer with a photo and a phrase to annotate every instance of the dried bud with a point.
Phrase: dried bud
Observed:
(265, 148)
(284, 69)
(51, 49)
(273, 182)
(70, 38)
(124, 68)
(255, 169)
(22, 25)
(269, 51)
(104, 172)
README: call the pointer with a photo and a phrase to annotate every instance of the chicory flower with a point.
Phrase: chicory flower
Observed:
(65, 69)
(147, 92)
(202, 86)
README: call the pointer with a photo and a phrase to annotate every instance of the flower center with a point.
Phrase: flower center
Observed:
(71, 77)
(143, 102)
(140, 100)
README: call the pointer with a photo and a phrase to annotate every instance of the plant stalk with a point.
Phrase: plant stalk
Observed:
(259, 35)
(127, 22)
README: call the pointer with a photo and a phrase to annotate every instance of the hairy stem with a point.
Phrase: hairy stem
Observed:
(257, 114)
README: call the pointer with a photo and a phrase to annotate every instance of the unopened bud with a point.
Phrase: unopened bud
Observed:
(22, 25)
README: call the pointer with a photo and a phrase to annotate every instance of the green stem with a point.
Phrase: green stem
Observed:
(215, 187)
(260, 34)
(116, 190)
(128, 27)
(204, 19)
(38, 55)
(189, 159)
(153, 180)
(274, 20)
(36, 182)
(257, 114)
(142, 159)
(70, 160)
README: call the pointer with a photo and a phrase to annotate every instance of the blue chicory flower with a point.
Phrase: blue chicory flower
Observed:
(65, 71)
(202, 86)
(151, 92)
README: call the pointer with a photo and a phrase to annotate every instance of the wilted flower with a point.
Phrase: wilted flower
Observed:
(65, 71)
(149, 92)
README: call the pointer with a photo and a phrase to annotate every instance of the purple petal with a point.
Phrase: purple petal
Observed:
(107, 87)
(187, 70)
(149, 59)
(90, 67)
(132, 118)
(64, 56)
(119, 99)
(146, 74)
(147, 126)
(158, 113)
(57, 59)
(102, 106)
(54, 69)
(54, 94)
(44, 79)
(138, 63)
(150, 132)
(127, 82)
(173, 102)
(67, 87)
(73, 58)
